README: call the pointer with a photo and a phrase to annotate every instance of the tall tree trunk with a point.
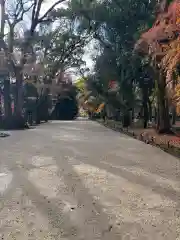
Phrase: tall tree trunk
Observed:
(2, 3)
(145, 109)
(19, 98)
(174, 114)
(1, 110)
(163, 125)
(150, 110)
(11, 38)
(7, 100)
(155, 115)
(133, 114)
(145, 96)
(19, 83)
(174, 82)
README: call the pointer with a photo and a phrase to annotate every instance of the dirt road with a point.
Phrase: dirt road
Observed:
(79, 180)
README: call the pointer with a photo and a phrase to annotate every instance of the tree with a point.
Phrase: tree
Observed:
(3, 47)
(65, 52)
(14, 17)
(81, 84)
(155, 43)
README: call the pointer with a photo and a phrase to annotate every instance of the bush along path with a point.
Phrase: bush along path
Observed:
(168, 143)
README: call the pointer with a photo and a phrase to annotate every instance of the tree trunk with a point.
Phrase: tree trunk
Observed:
(145, 110)
(1, 110)
(19, 93)
(2, 2)
(174, 115)
(126, 119)
(19, 100)
(7, 99)
(150, 110)
(163, 124)
(145, 96)
(133, 114)
(155, 115)
(174, 82)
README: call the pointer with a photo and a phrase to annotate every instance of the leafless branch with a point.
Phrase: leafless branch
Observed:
(50, 9)
(36, 19)
(34, 10)
(15, 15)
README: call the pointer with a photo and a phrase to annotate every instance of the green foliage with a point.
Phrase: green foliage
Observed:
(81, 84)
(116, 25)
(62, 48)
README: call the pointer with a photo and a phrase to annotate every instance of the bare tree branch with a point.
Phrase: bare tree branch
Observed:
(36, 19)
(34, 10)
(50, 9)
(38, 8)
(15, 15)
(22, 11)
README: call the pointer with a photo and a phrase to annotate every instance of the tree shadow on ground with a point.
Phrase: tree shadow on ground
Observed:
(93, 222)
(121, 169)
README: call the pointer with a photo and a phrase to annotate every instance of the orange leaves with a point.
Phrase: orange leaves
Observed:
(177, 94)
(161, 42)
(165, 30)
(100, 108)
(174, 11)
(171, 59)
(177, 99)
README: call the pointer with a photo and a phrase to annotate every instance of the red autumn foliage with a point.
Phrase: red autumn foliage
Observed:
(166, 28)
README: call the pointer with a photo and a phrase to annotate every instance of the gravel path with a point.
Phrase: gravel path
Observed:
(79, 180)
